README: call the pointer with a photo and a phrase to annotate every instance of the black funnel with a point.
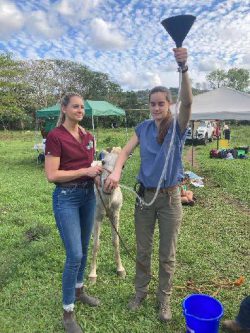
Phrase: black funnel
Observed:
(178, 27)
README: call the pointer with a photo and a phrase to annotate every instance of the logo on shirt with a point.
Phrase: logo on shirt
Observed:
(90, 145)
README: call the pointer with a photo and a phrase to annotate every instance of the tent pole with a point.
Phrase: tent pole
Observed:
(97, 129)
(219, 125)
(93, 126)
(126, 126)
(192, 143)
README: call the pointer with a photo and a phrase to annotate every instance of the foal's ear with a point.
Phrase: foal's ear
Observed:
(116, 150)
(95, 163)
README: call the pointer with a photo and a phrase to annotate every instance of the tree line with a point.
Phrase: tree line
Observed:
(27, 86)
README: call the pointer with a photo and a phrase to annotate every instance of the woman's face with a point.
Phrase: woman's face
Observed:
(74, 111)
(158, 105)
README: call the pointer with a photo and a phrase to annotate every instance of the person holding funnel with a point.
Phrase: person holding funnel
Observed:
(154, 137)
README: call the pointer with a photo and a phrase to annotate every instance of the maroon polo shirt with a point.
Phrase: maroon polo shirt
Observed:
(73, 154)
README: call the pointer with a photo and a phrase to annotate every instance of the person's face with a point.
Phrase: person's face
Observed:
(158, 105)
(74, 111)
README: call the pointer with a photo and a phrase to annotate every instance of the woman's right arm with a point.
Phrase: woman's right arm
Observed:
(114, 178)
(53, 173)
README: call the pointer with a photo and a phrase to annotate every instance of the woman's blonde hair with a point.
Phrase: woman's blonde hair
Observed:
(167, 121)
(64, 102)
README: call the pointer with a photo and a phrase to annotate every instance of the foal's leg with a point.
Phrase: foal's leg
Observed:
(96, 245)
(115, 240)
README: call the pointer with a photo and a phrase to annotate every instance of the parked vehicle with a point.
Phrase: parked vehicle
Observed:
(202, 133)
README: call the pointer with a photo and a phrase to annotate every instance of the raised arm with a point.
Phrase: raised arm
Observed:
(186, 96)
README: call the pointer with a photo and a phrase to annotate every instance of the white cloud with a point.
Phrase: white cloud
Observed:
(245, 62)
(43, 25)
(64, 8)
(11, 19)
(104, 36)
(74, 11)
(209, 64)
(125, 39)
(137, 81)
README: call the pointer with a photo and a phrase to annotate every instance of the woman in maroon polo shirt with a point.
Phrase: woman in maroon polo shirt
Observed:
(68, 157)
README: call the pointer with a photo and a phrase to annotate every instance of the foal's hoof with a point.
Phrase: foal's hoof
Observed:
(121, 274)
(92, 279)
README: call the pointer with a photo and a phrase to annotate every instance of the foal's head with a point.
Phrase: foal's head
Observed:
(108, 159)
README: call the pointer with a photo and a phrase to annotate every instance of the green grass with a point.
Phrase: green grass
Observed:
(213, 244)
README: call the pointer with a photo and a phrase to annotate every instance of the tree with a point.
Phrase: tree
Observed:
(12, 114)
(42, 83)
(217, 78)
(237, 78)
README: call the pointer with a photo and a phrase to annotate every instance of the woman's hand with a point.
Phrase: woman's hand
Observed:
(112, 181)
(94, 171)
(180, 54)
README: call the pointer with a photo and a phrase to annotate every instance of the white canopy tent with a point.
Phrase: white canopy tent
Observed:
(223, 104)
(220, 104)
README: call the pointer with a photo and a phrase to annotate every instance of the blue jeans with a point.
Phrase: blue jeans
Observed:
(74, 210)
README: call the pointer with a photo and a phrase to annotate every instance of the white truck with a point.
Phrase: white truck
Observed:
(203, 132)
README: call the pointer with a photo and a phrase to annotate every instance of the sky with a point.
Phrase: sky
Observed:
(125, 38)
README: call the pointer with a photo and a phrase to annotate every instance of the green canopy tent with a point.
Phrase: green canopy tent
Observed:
(92, 109)
(46, 120)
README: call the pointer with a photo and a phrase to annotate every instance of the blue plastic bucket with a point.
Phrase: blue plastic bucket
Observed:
(202, 313)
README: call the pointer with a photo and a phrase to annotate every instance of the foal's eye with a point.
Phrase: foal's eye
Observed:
(103, 162)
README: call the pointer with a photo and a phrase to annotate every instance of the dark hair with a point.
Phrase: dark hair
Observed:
(64, 102)
(167, 121)
(162, 90)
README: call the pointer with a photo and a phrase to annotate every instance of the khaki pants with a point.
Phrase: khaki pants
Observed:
(167, 209)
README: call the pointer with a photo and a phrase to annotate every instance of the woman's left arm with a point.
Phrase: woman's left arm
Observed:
(186, 96)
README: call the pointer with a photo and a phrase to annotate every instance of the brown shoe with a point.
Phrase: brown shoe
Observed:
(83, 297)
(136, 302)
(233, 326)
(70, 323)
(165, 313)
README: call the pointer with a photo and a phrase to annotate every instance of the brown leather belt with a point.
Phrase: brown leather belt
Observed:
(162, 190)
(82, 184)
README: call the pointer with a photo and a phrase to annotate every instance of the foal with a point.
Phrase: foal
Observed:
(113, 204)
